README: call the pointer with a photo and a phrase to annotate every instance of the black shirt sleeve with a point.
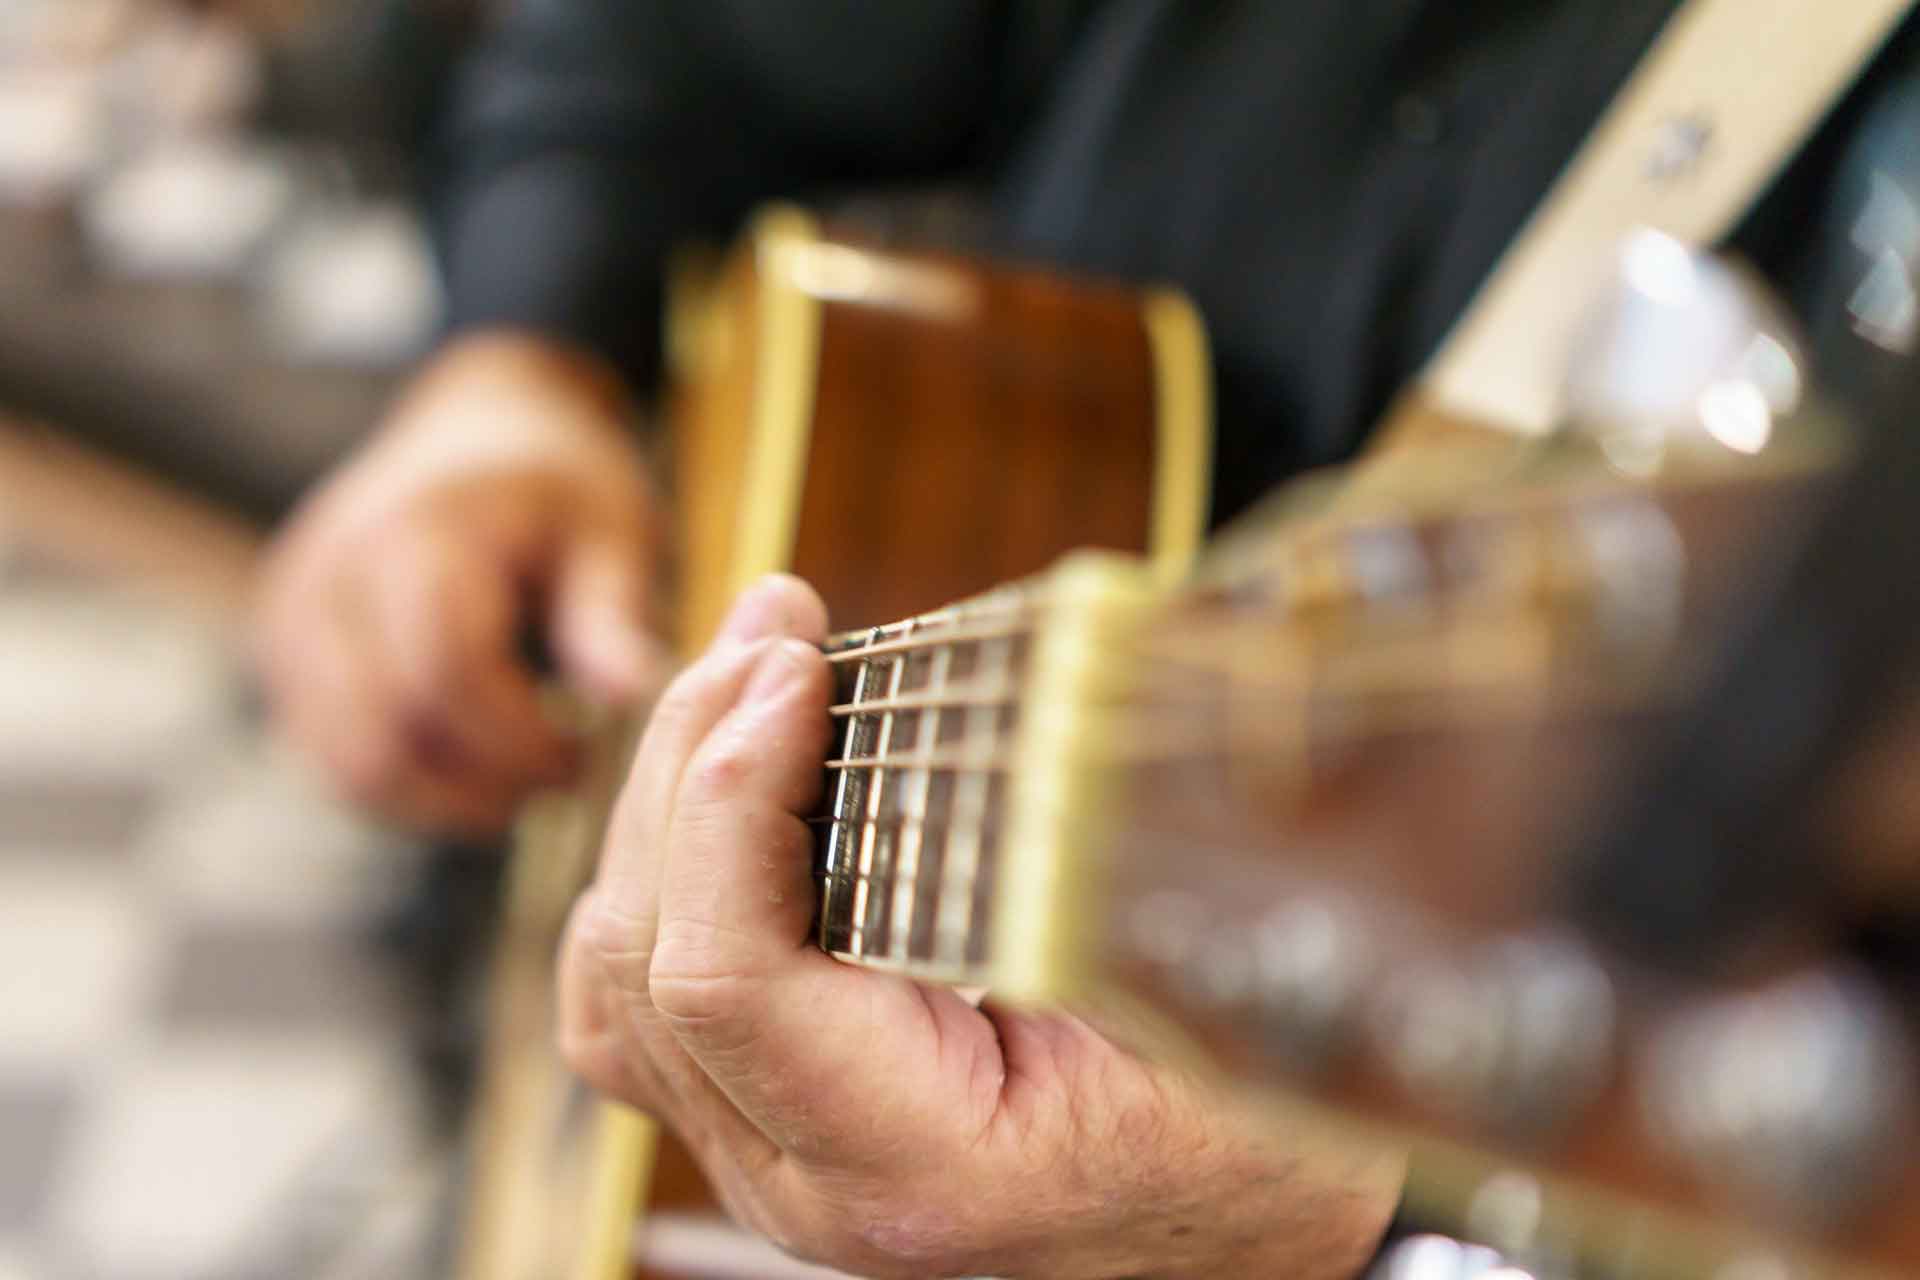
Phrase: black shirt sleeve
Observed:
(583, 139)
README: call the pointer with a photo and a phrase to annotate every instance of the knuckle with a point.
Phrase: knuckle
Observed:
(692, 980)
(614, 940)
(673, 714)
(589, 1055)
(681, 705)
(596, 1033)
(691, 998)
(678, 708)
(724, 767)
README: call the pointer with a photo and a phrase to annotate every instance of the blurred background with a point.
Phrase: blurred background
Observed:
(238, 1020)
(230, 1042)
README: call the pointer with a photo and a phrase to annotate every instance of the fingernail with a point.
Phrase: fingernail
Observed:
(782, 662)
(759, 612)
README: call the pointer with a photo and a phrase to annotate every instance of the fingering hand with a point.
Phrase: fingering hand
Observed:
(862, 1120)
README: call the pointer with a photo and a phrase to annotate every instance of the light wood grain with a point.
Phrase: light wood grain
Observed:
(74, 505)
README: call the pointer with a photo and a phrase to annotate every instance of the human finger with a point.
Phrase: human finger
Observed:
(606, 1003)
(443, 618)
(603, 623)
(821, 1056)
(331, 701)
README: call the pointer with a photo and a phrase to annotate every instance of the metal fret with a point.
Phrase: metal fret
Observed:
(915, 792)
(962, 761)
(849, 795)
(877, 841)
(908, 843)
(955, 700)
(958, 623)
(940, 884)
(972, 791)
(896, 820)
(909, 643)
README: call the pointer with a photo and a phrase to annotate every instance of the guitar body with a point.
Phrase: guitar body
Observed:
(901, 429)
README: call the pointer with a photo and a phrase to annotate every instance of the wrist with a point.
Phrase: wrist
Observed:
(1246, 1210)
(1309, 1211)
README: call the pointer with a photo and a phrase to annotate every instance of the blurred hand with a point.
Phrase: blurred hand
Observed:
(857, 1118)
(505, 495)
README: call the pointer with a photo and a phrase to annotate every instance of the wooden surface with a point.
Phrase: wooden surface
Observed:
(968, 442)
(709, 411)
(68, 503)
(1436, 752)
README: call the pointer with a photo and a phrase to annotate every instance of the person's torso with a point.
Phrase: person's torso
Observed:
(1332, 179)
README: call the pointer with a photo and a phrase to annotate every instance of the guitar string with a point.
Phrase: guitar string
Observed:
(1016, 602)
(955, 626)
(1314, 552)
(849, 795)
(962, 624)
(865, 907)
(1249, 647)
(980, 758)
(1291, 753)
(1151, 742)
(970, 805)
(947, 699)
(915, 792)
(958, 890)
(1203, 745)
(913, 644)
(1277, 694)
(1271, 673)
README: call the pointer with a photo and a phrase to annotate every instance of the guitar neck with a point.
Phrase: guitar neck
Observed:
(927, 710)
(1320, 809)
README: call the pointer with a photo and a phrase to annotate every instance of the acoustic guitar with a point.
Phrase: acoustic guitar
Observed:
(1323, 818)
(901, 428)
(1351, 746)
(1347, 819)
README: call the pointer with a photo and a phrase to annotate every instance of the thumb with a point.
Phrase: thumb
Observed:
(600, 624)
(820, 1056)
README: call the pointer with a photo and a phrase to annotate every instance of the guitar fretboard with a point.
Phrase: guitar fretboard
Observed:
(909, 843)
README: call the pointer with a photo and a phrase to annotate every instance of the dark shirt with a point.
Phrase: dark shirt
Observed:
(1330, 179)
